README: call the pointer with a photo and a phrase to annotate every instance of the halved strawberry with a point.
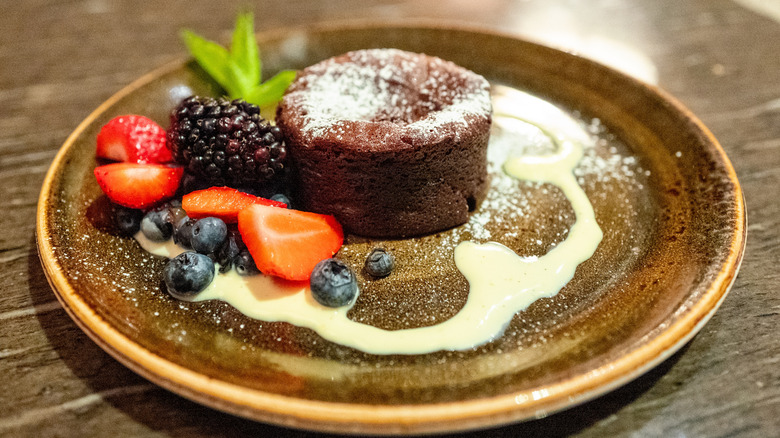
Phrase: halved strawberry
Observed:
(222, 202)
(288, 243)
(137, 185)
(133, 139)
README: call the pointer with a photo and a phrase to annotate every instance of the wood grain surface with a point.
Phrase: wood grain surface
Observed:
(60, 59)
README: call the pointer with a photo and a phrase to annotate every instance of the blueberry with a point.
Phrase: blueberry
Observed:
(380, 263)
(182, 231)
(157, 225)
(128, 220)
(333, 284)
(175, 212)
(208, 234)
(245, 264)
(281, 197)
(230, 248)
(188, 274)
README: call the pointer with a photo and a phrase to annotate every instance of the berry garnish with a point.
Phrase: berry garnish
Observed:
(138, 185)
(380, 263)
(333, 284)
(221, 202)
(174, 211)
(157, 225)
(245, 264)
(208, 234)
(229, 250)
(281, 197)
(288, 243)
(128, 220)
(133, 139)
(182, 231)
(226, 142)
(188, 274)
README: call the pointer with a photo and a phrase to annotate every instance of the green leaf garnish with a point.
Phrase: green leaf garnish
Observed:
(238, 70)
(243, 49)
(272, 90)
(212, 57)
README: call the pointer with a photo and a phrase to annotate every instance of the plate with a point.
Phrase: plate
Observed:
(662, 189)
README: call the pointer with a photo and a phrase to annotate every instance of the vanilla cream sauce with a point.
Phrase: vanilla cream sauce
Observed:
(501, 283)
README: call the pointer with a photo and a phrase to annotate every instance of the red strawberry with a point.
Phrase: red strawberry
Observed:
(133, 139)
(222, 202)
(137, 185)
(288, 243)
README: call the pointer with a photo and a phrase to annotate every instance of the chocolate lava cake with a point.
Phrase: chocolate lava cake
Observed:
(392, 143)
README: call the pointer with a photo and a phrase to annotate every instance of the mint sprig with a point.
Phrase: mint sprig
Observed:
(239, 69)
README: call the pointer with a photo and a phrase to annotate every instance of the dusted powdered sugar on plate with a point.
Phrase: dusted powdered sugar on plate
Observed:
(388, 85)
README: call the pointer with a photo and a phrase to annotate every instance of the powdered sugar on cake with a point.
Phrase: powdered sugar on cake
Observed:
(388, 85)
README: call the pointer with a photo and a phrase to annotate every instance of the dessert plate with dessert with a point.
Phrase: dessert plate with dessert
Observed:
(556, 229)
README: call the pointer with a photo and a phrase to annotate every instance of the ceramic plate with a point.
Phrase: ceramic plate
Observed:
(663, 191)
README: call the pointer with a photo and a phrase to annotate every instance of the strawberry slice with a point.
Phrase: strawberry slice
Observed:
(222, 202)
(133, 139)
(288, 243)
(137, 185)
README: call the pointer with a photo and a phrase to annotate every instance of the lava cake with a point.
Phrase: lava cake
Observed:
(392, 143)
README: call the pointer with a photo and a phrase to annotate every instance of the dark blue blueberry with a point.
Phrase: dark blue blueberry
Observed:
(208, 234)
(333, 284)
(230, 248)
(175, 212)
(188, 274)
(157, 225)
(128, 220)
(380, 263)
(281, 197)
(182, 231)
(245, 264)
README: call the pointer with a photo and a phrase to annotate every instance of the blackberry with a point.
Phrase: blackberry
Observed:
(226, 142)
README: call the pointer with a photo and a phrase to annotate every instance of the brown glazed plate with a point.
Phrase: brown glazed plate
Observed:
(663, 191)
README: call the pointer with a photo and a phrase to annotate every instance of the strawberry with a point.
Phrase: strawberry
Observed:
(288, 243)
(137, 185)
(221, 202)
(133, 139)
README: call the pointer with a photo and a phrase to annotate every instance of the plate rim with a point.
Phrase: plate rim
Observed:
(379, 419)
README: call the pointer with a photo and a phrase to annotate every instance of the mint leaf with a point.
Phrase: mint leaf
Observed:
(239, 81)
(272, 90)
(212, 57)
(244, 51)
(238, 70)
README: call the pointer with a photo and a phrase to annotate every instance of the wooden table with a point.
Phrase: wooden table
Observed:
(60, 60)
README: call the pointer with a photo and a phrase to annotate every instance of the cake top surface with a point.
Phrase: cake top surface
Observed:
(386, 92)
